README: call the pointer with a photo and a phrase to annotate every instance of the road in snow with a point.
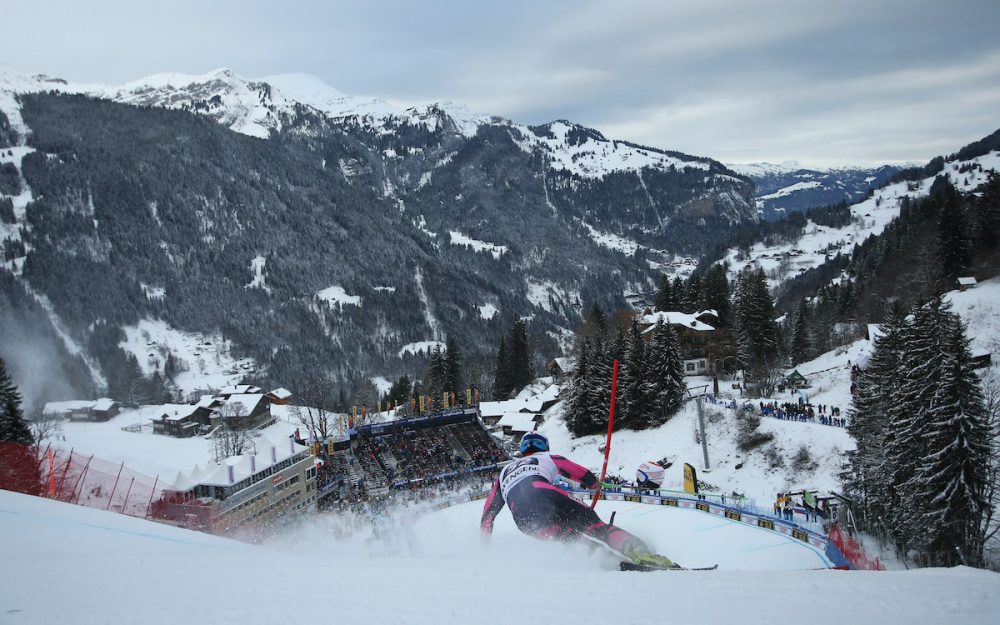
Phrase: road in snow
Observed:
(66, 564)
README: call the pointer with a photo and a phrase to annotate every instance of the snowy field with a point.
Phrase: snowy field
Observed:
(73, 565)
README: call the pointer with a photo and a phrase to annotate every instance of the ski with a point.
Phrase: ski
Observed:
(625, 565)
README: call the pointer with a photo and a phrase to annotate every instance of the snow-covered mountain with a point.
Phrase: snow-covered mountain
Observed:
(788, 187)
(816, 244)
(297, 192)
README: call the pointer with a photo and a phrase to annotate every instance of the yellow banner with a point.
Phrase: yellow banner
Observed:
(690, 479)
(468, 396)
(445, 401)
(421, 404)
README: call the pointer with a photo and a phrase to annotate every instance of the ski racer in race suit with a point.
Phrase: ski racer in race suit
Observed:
(543, 510)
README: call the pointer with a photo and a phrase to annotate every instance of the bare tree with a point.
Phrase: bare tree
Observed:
(230, 438)
(317, 415)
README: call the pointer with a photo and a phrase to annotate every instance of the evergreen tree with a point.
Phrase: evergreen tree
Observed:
(715, 293)
(663, 383)
(521, 373)
(578, 411)
(13, 426)
(502, 381)
(692, 295)
(947, 490)
(631, 373)
(988, 213)
(453, 369)
(599, 383)
(756, 331)
(868, 477)
(665, 298)
(954, 251)
(799, 349)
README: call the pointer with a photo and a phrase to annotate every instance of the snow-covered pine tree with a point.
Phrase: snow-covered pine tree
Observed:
(868, 476)
(664, 377)
(502, 384)
(521, 373)
(453, 368)
(800, 344)
(755, 331)
(599, 383)
(13, 426)
(954, 242)
(631, 371)
(949, 485)
(578, 412)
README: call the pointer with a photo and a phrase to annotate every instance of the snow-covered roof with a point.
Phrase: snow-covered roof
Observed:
(967, 281)
(239, 389)
(874, 331)
(217, 474)
(518, 421)
(677, 319)
(61, 407)
(104, 404)
(249, 400)
(281, 393)
(533, 403)
(566, 364)
(177, 412)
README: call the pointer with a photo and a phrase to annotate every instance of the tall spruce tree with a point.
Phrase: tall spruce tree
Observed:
(868, 477)
(502, 382)
(756, 331)
(521, 372)
(715, 293)
(13, 426)
(578, 410)
(665, 297)
(453, 368)
(663, 383)
(949, 485)
(631, 373)
(800, 346)
(954, 249)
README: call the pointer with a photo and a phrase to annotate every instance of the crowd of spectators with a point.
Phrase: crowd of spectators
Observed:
(802, 411)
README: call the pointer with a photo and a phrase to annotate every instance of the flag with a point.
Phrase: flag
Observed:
(690, 479)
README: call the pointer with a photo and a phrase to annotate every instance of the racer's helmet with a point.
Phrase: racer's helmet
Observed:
(532, 442)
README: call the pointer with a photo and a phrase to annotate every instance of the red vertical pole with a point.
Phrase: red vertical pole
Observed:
(125, 503)
(80, 480)
(151, 493)
(62, 480)
(611, 427)
(52, 475)
(113, 488)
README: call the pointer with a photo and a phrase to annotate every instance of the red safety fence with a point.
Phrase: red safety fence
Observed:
(77, 478)
(854, 551)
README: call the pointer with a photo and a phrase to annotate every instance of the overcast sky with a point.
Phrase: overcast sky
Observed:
(825, 83)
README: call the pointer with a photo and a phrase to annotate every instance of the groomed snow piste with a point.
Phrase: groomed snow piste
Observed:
(67, 564)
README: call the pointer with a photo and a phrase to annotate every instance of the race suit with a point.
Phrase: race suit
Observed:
(543, 510)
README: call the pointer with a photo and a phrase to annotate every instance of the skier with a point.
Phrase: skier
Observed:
(542, 510)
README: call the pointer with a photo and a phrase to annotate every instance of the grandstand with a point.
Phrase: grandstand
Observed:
(381, 458)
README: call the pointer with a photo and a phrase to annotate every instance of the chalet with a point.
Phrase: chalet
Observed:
(82, 410)
(239, 389)
(245, 491)
(518, 423)
(705, 349)
(981, 359)
(561, 367)
(182, 420)
(492, 411)
(244, 410)
(796, 380)
(966, 283)
(280, 396)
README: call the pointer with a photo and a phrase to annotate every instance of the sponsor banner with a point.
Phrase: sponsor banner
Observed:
(666, 501)
(650, 499)
(690, 479)
(613, 496)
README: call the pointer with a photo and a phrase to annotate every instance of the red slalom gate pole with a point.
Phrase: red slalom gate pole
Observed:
(611, 427)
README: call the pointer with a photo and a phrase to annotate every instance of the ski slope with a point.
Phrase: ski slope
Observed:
(67, 564)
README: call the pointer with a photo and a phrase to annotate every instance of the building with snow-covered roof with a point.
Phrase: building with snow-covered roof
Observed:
(965, 283)
(704, 348)
(518, 423)
(181, 420)
(237, 389)
(242, 492)
(244, 410)
(562, 366)
(280, 396)
(101, 409)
